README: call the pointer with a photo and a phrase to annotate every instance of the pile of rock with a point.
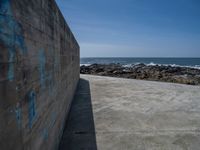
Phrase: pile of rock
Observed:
(183, 75)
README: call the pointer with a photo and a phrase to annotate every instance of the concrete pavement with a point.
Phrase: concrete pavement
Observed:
(125, 114)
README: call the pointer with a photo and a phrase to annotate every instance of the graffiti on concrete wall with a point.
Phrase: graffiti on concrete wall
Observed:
(36, 73)
(31, 107)
(11, 36)
(18, 112)
(42, 62)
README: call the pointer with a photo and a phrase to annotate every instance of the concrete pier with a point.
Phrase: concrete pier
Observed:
(112, 113)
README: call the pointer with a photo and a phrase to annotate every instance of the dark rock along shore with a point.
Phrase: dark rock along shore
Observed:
(184, 75)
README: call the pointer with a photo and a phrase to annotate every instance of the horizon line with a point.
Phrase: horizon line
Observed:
(138, 57)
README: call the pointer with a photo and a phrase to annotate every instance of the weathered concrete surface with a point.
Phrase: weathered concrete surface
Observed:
(39, 70)
(112, 113)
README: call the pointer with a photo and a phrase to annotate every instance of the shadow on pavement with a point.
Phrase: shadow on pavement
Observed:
(79, 132)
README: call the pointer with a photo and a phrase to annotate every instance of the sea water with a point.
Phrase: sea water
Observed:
(182, 62)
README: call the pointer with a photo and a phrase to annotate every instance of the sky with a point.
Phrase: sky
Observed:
(134, 28)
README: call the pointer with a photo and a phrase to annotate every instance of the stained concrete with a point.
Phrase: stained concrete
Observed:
(39, 72)
(112, 113)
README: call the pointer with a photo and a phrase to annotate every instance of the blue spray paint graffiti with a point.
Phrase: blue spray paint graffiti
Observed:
(31, 107)
(18, 112)
(11, 35)
(5, 7)
(42, 60)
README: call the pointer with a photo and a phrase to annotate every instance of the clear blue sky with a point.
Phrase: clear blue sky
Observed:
(134, 28)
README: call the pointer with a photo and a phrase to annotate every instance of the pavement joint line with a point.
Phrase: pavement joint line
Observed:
(140, 131)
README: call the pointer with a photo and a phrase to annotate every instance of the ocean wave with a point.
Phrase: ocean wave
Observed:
(154, 64)
(85, 65)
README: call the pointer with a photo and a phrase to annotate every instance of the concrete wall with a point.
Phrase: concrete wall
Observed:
(39, 70)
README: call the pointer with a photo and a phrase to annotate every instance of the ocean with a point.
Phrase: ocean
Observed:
(182, 62)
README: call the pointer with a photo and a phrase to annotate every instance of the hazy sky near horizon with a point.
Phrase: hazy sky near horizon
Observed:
(134, 28)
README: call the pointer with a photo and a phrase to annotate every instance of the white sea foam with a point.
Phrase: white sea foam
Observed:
(174, 65)
(154, 64)
(151, 64)
(128, 65)
(85, 64)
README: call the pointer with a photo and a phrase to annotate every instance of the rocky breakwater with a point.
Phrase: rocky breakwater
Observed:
(184, 75)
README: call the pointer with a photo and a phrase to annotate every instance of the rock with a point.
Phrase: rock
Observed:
(141, 71)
